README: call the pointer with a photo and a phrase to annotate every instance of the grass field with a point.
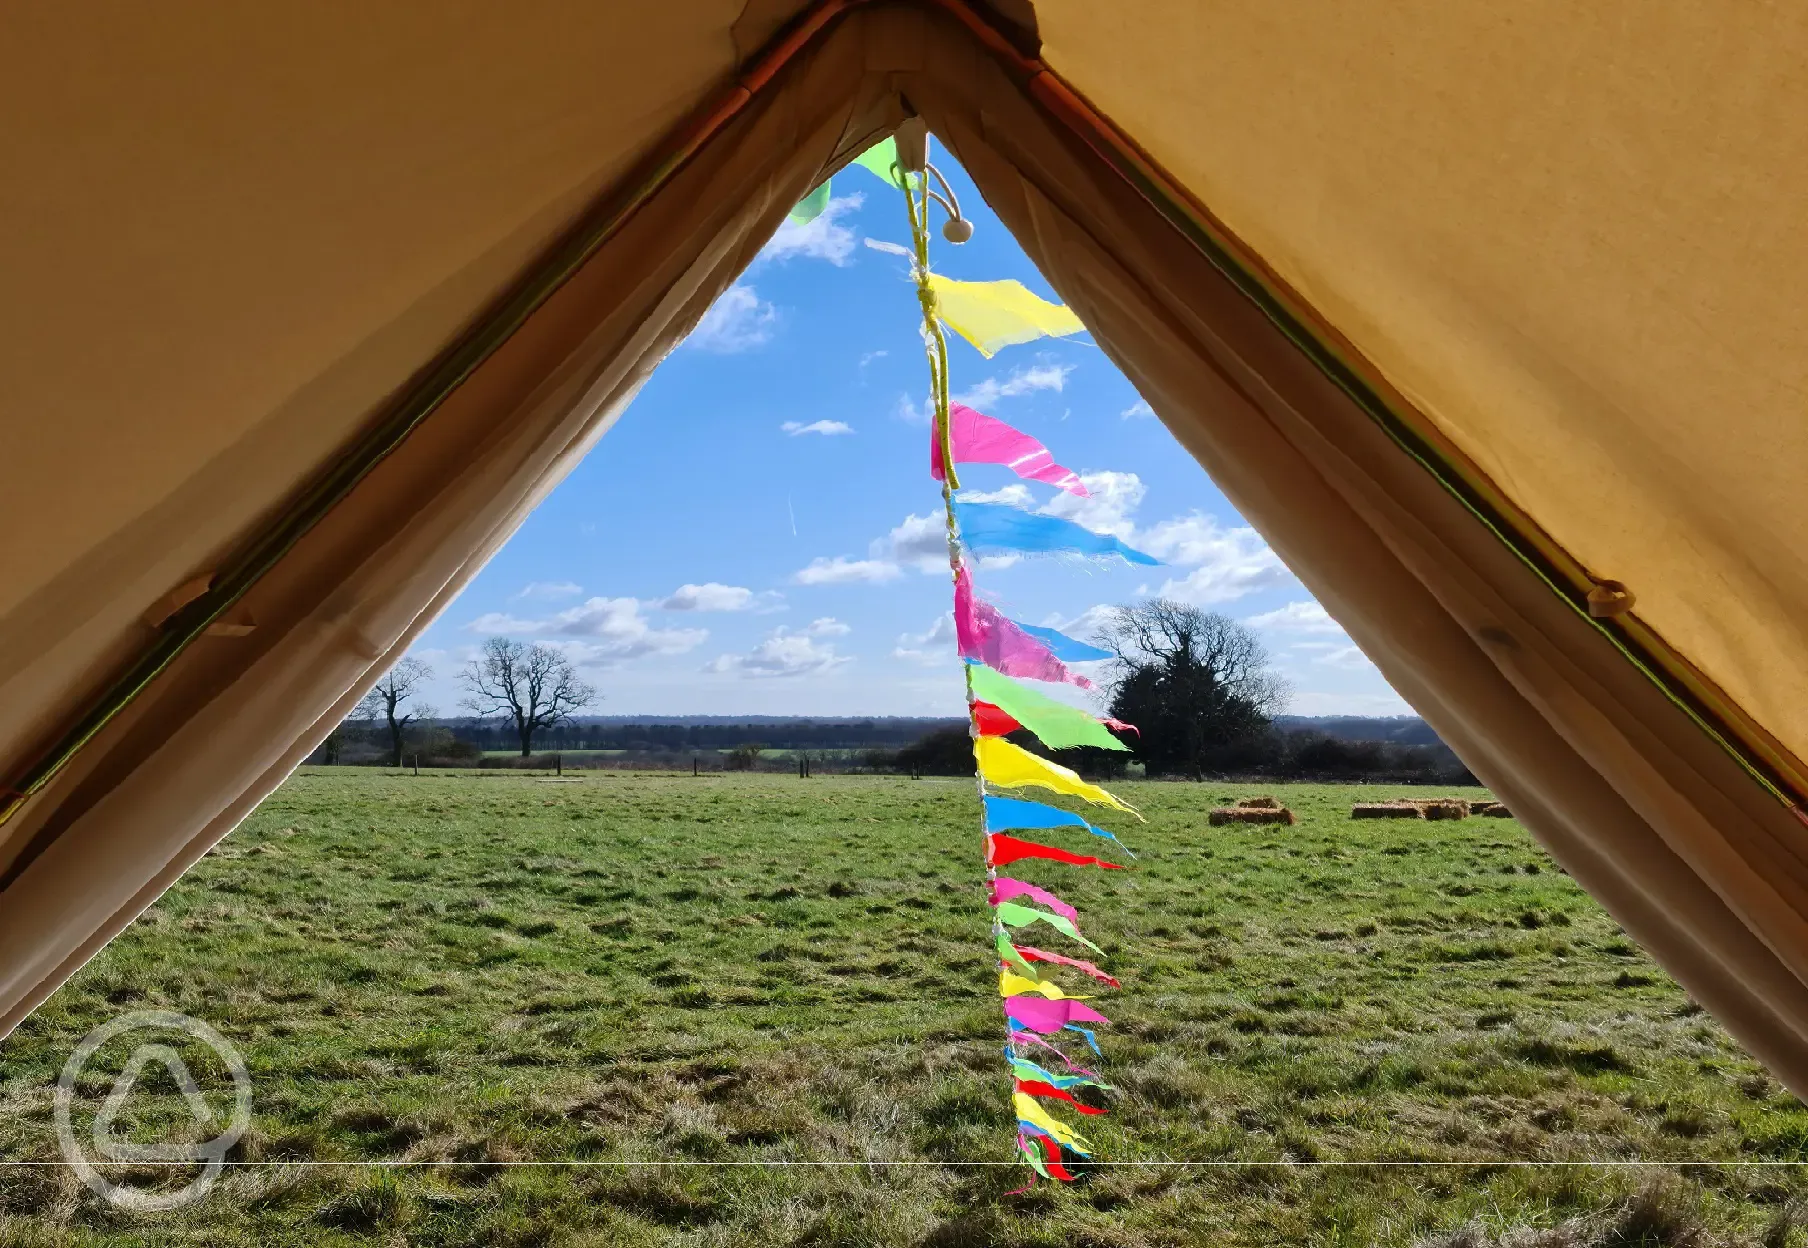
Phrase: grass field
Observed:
(473, 970)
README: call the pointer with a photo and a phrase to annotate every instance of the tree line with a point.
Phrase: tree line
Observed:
(1198, 688)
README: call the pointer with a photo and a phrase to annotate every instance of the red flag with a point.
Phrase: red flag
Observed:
(992, 721)
(1051, 1159)
(1008, 849)
(1035, 1087)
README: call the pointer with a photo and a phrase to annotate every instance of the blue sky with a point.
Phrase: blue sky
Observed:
(759, 533)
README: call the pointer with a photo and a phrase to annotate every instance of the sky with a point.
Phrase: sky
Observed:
(759, 533)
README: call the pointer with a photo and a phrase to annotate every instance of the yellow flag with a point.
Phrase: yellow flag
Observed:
(1010, 767)
(1031, 1112)
(1010, 985)
(991, 315)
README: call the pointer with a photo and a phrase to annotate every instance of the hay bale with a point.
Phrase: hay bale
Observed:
(1436, 807)
(1386, 810)
(1259, 803)
(1495, 810)
(1249, 814)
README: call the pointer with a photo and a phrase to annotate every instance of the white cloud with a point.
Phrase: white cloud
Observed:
(828, 428)
(606, 629)
(818, 239)
(1112, 497)
(1295, 617)
(844, 571)
(1137, 410)
(1023, 381)
(1349, 658)
(620, 631)
(1086, 625)
(934, 645)
(870, 356)
(1227, 563)
(710, 596)
(826, 626)
(1328, 702)
(783, 653)
(548, 589)
(921, 541)
(499, 622)
(913, 411)
(1013, 495)
(1226, 580)
(737, 321)
(890, 249)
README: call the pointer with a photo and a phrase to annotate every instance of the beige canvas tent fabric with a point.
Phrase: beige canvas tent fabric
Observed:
(235, 714)
(1572, 237)
(229, 232)
(1700, 863)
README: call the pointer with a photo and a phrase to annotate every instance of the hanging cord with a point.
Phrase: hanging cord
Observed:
(935, 345)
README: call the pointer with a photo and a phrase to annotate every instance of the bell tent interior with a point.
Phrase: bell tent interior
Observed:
(1489, 319)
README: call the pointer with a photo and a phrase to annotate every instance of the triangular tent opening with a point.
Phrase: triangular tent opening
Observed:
(1463, 318)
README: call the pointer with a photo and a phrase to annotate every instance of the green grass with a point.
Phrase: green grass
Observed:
(468, 970)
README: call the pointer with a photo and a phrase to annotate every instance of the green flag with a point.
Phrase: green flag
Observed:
(810, 206)
(1013, 915)
(879, 158)
(1057, 724)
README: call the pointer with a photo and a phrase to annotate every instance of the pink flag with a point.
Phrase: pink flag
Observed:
(979, 439)
(984, 634)
(1004, 888)
(1041, 1014)
(1030, 1037)
(1029, 954)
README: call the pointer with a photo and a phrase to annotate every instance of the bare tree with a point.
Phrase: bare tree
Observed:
(387, 698)
(535, 686)
(1196, 684)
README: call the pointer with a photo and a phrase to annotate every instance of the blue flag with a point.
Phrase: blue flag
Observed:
(993, 526)
(1062, 646)
(1012, 813)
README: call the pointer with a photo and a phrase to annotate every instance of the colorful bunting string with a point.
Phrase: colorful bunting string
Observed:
(991, 316)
